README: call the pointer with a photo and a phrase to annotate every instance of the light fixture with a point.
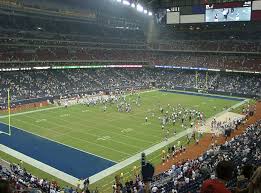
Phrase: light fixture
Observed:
(139, 8)
(125, 2)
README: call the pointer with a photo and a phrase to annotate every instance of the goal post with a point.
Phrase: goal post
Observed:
(8, 130)
(9, 111)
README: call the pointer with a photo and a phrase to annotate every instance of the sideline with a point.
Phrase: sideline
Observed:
(108, 171)
(29, 112)
(57, 107)
(150, 150)
(37, 164)
(136, 157)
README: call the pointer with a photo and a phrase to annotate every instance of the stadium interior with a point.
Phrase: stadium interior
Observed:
(130, 96)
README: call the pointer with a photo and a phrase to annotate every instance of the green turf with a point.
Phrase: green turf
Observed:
(239, 109)
(105, 184)
(114, 135)
(111, 134)
(27, 109)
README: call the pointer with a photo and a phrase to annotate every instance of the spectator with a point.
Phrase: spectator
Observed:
(255, 182)
(5, 186)
(224, 172)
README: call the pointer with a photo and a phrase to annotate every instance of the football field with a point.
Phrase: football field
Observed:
(111, 134)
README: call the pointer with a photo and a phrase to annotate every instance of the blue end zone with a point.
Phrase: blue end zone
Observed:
(202, 94)
(69, 160)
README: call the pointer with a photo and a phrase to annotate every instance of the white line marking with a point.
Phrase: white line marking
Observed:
(57, 107)
(61, 143)
(127, 130)
(104, 138)
(29, 112)
(107, 171)
(65, 115)
(37, 164)
(89, 133)
(148, 151)
(40, 120)
(84, 111)
(152, 133)
(75, 138)
(135, 157)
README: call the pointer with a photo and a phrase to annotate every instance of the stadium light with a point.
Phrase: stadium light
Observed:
(150, 13)
(125, 2)
(145, 11)
(118, 0)
(133, 5)
(139, 8)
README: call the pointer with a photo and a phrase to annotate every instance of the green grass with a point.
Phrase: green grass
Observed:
(241, 107)
(115, 135)
(105, 184)
(111, 134)
(27, 109)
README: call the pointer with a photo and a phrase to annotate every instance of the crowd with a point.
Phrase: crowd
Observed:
(71, 41)
(208, 45)
(216, 170)
(50, 83)
(233, 83)
(111, 42)
(110, 38)
(14, 178)
(24, 57)
(122, 36)
(47, 40)
(230, 167)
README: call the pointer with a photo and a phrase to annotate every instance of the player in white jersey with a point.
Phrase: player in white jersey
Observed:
(237, 17)
(66, 104)
(216, 18)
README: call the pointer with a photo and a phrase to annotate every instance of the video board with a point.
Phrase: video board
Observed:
(216, 12)
(240, 11)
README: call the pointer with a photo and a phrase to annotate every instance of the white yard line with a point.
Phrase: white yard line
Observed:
(118, 133)
(75, 138)
(29, 112)
(51, 108)
(62, 143)
(150, 150)
(136, 157)
(209, 119)
(86, 133)
(114, 168)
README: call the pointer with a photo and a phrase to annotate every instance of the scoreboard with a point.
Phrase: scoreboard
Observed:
(221, 1)
(174, 3)
(211, 11)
